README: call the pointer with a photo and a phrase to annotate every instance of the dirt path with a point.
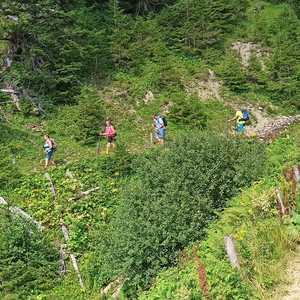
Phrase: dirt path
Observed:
(291, 289)
(264, 126)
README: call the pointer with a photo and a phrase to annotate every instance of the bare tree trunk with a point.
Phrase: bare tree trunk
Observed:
(296, 173)
(72, 256)
(13, 94)
(231, 251)
(52, 187)
(114, 288)
(280, 202)
(62, 261)
(18, 211)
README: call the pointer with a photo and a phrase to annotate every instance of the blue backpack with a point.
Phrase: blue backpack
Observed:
(246, 115)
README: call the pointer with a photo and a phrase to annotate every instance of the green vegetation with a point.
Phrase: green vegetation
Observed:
(165, 208)
(262, 242)
(27, 259)
(76, 63)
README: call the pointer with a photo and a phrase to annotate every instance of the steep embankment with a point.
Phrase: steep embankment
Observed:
(70, 64)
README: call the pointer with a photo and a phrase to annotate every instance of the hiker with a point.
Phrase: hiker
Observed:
(242, 118)
(110, 133)
(49, 148)
(160, 124)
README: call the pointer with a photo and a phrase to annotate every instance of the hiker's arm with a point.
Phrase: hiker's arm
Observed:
(234, 118)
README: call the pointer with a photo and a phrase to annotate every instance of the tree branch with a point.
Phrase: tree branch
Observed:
(18, 211)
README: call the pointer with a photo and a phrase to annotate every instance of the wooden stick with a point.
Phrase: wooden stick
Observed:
(280, 202)
(52, 187)
(98, 146)
(62, 261)
(18, 211)
(286, 200)
(72, 256)
(86, 193)
(231, 251)
(296, 173)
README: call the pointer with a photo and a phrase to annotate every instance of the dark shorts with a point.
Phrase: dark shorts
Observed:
(111, 139)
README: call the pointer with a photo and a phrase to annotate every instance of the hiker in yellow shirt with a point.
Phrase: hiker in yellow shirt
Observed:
(238, 116)
(240, 120)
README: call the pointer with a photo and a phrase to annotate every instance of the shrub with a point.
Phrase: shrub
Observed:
(28, 262)
(188, 111)
(89, 115)
(170, 201)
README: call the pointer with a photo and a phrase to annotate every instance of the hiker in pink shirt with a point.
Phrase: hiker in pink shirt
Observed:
(110, 133)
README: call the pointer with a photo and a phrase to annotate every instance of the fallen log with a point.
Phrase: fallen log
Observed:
(18, 211)
(13, 94)
(62, 261)
(52, 187)
(86, 193)
(114, 288)
(65, 232)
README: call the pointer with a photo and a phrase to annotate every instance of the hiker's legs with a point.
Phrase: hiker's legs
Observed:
(240, 129)
(161, 136)
(107, 148)
(48, 158)
(110, 143)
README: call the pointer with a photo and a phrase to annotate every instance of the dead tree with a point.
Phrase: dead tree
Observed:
(279, 202)
(231, 251)
(14, 95)
(52, 187)
(14, 210)
(64, 228)
(72, 256)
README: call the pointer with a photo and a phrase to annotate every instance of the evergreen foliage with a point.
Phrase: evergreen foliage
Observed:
(28, 262)
(91, 116)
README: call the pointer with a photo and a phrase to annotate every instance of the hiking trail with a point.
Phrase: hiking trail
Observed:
(266, 127)
(290, 290)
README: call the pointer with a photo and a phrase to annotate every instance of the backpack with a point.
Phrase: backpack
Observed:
(110, 131)
(164, 119)
(54, 144)
(246, 115)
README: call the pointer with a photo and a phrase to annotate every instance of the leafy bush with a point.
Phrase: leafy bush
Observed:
(260, 238)
(27, 259)
(170, 201)
(188, 111)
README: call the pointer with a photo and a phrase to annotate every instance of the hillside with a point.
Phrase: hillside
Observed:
(148, 221)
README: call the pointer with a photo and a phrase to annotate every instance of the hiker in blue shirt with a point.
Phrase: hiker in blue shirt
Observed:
(159, 123)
